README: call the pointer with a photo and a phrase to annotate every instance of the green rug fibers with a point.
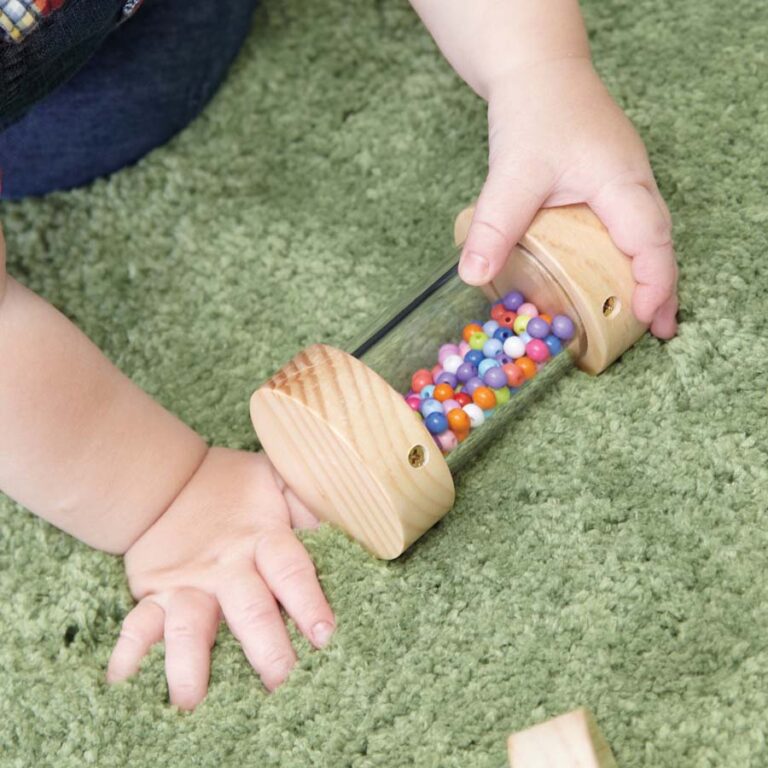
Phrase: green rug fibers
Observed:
(611, 551)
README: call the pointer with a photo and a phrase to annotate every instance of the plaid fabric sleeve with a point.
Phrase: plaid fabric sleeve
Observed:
(19, 17)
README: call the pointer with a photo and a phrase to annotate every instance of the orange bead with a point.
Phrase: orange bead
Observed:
(461, 436)
(507, 320)
(458, 421)
(443, 392)
(469, 330)
(484, 397)
(527, 366)
(545, 316)
(515, 375)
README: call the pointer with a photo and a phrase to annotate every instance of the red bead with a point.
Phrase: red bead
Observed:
(507, 320)
(498, 311)
(515, 375)
(462, 398)
(421, 379)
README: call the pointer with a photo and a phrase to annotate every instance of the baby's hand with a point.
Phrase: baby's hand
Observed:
(556, 137)
(225, 546)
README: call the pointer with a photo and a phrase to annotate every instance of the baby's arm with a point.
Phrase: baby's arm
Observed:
(205, 532)
(555, 137)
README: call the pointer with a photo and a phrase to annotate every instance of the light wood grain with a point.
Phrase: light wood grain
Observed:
(573, 740)
(341, 437)
(585, 271)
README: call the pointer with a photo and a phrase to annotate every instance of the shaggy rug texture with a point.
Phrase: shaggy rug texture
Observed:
(610, 550)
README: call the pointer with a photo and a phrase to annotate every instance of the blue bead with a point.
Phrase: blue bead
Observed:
(474, 356)
(492, 347)
(502, 334)
(430, 406)
(485, 365)
(554, 344)
(427, 392)
(490, 327)
(436, 422)
(525, 337)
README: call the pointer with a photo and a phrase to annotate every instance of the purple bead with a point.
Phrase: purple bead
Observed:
(465, 372)
(563, 327)
(502, 358)
(537, 328)
(472, 385)
(495, 378)
(447, 378)
(513, 300)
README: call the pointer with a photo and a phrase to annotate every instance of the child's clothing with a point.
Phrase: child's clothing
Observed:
(142, 71)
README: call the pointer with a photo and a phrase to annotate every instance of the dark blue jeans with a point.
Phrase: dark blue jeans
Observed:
(149, 78)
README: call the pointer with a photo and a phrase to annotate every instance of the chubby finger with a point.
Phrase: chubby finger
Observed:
(191, 621)
(254, 618)
(664, 325)
(508, 202)
(641, 228)
(290, 574)
(141, 629)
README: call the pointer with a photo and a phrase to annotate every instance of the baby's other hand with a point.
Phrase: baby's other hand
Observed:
(556, 137)
(225, 546)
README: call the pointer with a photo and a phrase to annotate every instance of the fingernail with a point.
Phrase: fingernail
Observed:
(321, 633)
(474, 266)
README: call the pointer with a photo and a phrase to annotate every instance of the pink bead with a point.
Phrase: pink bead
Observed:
(414, 401)
(449, 405)
(537, 350)
(464, 348)
(446, 350)
(528, 309)
(436, 371)
(446, 441)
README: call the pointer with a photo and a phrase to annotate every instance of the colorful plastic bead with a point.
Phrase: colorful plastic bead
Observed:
(414, 401)
(465, 372)
(475, 413)
(462, 398)
(502, 334)
(474, 356)
(490, 328)
(486, 365)
(445, 351)
(463, 349)
(492, 347)
(514, 374)
(513, 300)
(547, 318)
(436, 371)
(444, 392)
(502, 359)
(501, 394)
(469, 329)
(497, 310)
(477, 339)
(436, 422)
(452, 362)
(430, 406)
(521, 323)
(507, 320)
(420, 379)
(427, 391)
(458, 420)
(514, 347)
(527, 366)
(495, 378)
(484, 397)
(472, 385)
(538, 328)
(446, 441)
(449, 405)
(528, 309)
(447, 378)
(525, 337)
(563, 327)
(537, 350)
(554, 344)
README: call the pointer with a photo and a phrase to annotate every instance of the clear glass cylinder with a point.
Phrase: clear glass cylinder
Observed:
(407, 338)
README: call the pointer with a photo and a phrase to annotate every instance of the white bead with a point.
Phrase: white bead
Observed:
(475, 413)
(452, 362)
(514, 346)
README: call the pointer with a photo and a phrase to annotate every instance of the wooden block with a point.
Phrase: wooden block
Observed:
(352, 449)
(573, 740)
(580, 264)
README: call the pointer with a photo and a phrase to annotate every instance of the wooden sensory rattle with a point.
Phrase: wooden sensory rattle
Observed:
(370, 440)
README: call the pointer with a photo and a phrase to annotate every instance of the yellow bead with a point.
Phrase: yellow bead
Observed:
(521, 323)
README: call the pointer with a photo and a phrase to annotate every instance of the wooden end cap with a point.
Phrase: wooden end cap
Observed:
(352, 450)
(573, 740)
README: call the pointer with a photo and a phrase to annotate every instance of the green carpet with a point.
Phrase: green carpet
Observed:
(611, 551)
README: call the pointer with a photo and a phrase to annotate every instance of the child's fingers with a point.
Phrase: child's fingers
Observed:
(664, 325)
(191, 621)
(507, 204)
(254, 618)
(142, 628)
(640, 227)
(290, 573)
(301, 517)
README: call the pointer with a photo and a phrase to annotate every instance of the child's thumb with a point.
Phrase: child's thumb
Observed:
(504, 210)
